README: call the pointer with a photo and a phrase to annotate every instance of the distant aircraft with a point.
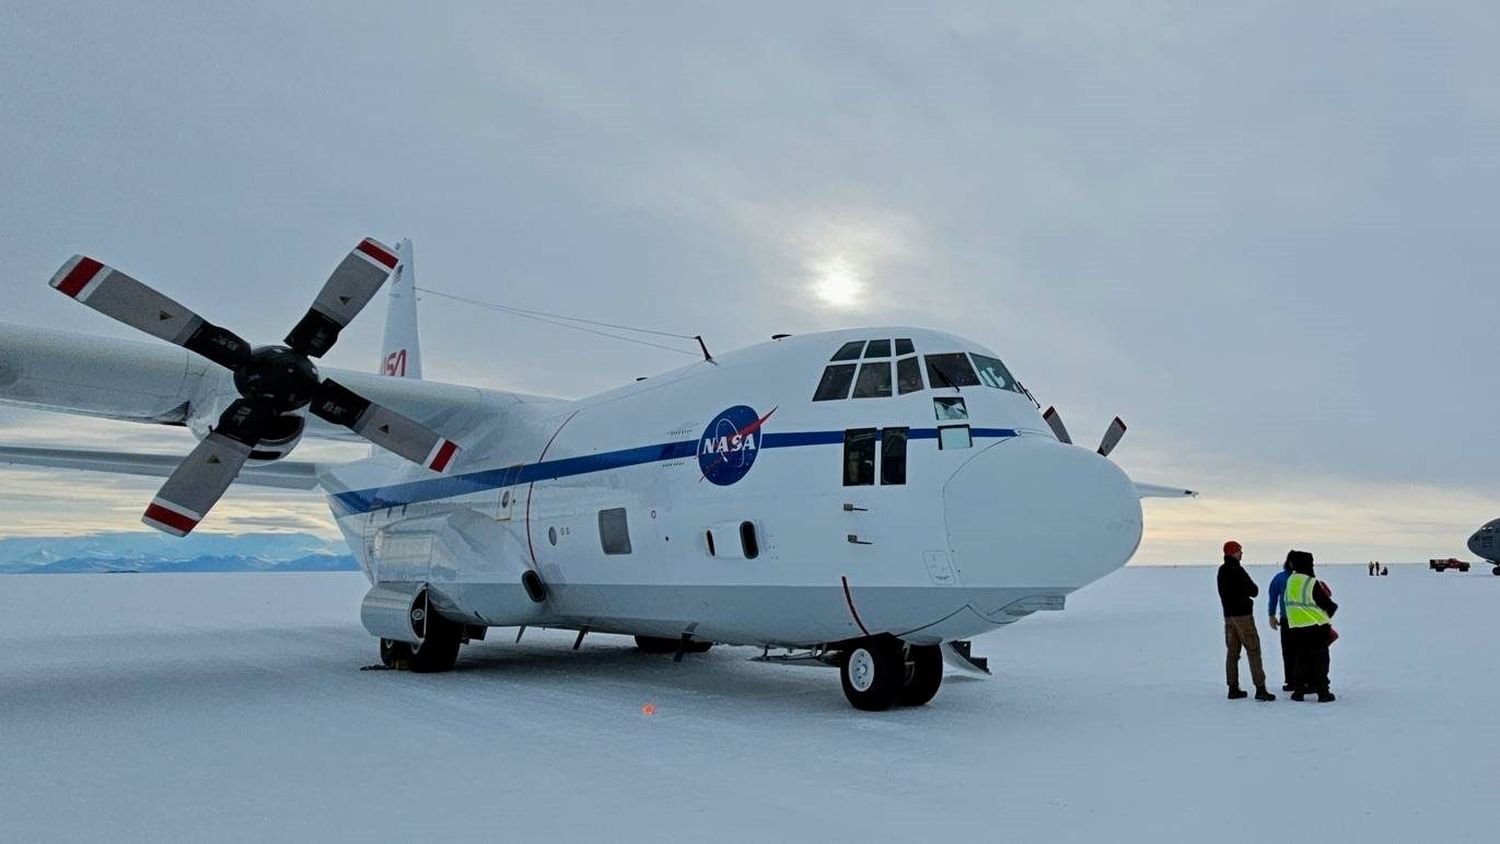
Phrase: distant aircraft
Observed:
(859, 498)
(1486, 543)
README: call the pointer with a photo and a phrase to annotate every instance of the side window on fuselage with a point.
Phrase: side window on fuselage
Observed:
(893, 456)
(614, 531)
(859, 457)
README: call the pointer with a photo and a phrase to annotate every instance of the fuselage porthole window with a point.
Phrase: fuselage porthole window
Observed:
(749, 543)
(835, 382)
(859, 457)
(614, 531)
(908, 376)
(874, 380)
(950, 408)
(893, 456)
(849, 351)
(878, 349)
(954, 437)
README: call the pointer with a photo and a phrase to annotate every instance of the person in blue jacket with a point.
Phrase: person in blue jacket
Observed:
(1276, 605)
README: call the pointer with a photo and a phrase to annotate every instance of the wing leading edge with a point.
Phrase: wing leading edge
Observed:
(284, 474)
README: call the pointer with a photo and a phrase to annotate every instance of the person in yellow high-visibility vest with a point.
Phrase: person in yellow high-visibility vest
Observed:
(1309, 613)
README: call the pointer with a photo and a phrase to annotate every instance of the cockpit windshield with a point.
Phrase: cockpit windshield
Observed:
(992, 373)
(866, 366)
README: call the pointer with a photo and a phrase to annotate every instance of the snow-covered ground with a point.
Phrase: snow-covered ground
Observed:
(144, 707)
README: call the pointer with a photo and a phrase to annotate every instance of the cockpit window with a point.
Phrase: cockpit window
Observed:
(835, 382)
(849, 351)
(878, 349)
(904, 346)
(874, 381)
(992, 373)
(908, 375)
(951, 370)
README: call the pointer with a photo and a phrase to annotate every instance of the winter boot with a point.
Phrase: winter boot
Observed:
(1262, 694)
(1288, 687)
(1298, 696)
(1237, 693)
(1326, 697)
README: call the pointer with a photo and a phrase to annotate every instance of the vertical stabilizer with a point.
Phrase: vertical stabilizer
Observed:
(401, 351)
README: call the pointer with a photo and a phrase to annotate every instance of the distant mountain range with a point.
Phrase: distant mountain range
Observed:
(155, 552)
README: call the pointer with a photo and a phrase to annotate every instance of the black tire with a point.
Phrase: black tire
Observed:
(394, 654)
(926, 675)
(662, 645)
(873, 672)
(1495, 571)
(438, 650)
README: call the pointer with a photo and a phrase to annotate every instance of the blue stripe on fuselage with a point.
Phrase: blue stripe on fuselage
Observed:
(434, 489)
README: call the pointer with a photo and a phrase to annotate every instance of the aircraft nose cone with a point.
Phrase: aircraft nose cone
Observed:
(1033, 512)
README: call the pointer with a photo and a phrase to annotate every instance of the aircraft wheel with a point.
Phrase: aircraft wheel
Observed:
(394, 654)
(873, 673)
(661, 645)
(926, 675)
(438, 650)
(1495, 571)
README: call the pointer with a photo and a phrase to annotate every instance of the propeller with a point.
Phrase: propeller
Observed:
(273, 381)
(1111, 439)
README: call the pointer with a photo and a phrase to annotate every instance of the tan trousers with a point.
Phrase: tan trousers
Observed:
(1240, 632)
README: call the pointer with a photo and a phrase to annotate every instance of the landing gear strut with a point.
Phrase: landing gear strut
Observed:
(882, 671)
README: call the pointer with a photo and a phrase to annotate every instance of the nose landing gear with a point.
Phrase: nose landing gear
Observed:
(882, 671)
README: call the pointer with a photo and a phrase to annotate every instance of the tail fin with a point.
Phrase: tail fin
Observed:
(401, 351)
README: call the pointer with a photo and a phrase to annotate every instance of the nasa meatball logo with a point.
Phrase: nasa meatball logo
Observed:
(727, 449)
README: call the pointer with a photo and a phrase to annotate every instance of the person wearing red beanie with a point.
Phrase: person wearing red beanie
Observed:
(1237, 593)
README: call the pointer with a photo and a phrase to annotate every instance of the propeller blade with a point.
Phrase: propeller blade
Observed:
(382, 426)
(1054, 421)
(353, 283)
(200, 480)
(1112, 437)
(117, 295)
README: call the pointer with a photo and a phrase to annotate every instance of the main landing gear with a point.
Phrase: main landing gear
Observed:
(882, 671)
(437, 651)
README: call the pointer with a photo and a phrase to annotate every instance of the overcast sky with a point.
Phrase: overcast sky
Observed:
(1263, 233)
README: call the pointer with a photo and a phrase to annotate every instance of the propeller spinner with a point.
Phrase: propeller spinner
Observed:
(272, 380)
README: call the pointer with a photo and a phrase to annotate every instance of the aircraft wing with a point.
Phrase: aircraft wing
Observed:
(286, 474)
(1159, 491)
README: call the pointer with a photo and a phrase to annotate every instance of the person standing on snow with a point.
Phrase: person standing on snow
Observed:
(1309, 613)
(1276, 605)
(1237, 595)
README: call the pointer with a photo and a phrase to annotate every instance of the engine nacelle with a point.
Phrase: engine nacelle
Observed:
(282, 436)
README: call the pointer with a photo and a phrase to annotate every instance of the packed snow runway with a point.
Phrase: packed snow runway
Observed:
(143, 707)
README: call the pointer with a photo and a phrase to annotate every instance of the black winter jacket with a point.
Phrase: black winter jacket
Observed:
(1236, 590)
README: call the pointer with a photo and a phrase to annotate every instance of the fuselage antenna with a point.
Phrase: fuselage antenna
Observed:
(704, 346)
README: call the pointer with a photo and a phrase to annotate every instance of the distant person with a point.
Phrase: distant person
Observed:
(1237, 595)
(1371, 568)
(1384, 571)
(1276, 605)
(1309, 614)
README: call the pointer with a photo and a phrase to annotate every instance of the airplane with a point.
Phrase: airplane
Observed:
(868, 499)
(1486, 544)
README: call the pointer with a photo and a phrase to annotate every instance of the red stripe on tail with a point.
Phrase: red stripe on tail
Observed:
(79, 278)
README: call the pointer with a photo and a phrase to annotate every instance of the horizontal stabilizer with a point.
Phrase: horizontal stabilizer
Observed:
(284, 474)
(1159, 491)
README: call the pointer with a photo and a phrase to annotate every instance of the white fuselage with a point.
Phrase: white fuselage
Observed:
(975, 537)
